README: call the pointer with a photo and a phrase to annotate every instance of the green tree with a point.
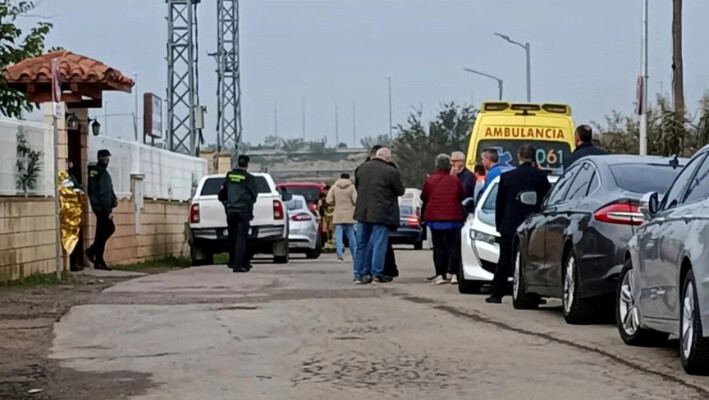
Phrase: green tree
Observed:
(371, 141)
(15, 46)
(418, 143)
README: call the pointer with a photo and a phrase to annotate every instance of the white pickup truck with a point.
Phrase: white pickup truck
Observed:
(208, 228)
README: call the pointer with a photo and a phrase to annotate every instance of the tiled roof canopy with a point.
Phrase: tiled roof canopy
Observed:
(83, 78)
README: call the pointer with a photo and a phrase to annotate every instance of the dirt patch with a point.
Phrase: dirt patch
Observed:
(27, 317)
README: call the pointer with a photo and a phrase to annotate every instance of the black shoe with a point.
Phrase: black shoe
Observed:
(240, 270)
(382, 279)
(430, 278)
(367, 279)
(102, 267)
(76, 268)
(90, 254)
(493, 300)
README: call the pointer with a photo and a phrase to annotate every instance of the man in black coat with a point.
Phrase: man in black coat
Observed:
(378, 186)
(510, 212)
(103, 200)
(584, 146)
(391, 270)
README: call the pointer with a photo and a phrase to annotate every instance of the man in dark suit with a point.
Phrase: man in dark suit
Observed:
(510, 212)
(584, 146)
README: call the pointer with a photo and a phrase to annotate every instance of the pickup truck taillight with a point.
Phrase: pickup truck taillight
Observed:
(277, 210)
(194, 213)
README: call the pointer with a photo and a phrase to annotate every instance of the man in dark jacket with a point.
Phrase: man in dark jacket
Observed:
(390, 268)
(103, 200)
(584, 146)
(238, 194)
(379, 186)
(510, 212)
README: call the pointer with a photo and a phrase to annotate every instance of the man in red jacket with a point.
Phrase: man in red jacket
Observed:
(442, 194)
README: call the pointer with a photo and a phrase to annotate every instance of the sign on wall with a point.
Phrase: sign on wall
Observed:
(152, 115)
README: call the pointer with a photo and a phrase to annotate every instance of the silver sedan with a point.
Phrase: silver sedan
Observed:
(303, 228)
(663, 288)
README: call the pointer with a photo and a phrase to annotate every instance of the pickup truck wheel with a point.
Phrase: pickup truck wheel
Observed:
(200, 257)
(281, 259)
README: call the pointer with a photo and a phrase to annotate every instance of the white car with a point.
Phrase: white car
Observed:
(208, 228)
(303, 233)
(479, 249)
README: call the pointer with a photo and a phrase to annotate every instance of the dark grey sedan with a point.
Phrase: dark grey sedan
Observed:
(574, 248)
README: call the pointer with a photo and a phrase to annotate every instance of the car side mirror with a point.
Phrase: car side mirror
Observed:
(528, 198)
(650, 204)
(469, 204)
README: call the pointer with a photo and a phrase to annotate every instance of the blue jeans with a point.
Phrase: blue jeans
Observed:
(371, 250)
(349, 231)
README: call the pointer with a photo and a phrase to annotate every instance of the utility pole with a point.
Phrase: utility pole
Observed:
(303, 116)
(677, 63)
(275, 117)
(135, 116)
(229, 127)
(337, 128)
(391, 136)
(354, 124)
(643, 83)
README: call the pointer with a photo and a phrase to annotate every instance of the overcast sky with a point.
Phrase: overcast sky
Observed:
(336, 52)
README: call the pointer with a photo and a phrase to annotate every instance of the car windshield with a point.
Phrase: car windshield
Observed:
(311, 194)
(644, 178)
(213, 185)
(486, 213)
(406, 210)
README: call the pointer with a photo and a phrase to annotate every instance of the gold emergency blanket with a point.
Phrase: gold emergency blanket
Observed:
(70, 211)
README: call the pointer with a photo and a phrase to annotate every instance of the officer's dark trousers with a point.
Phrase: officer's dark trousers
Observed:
(504, 266)
(238, 225)
(104, 229)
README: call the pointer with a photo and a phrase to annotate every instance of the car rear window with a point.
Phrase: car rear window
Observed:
(311, 194)
(406, 210)
(295, 204)
(213, 185)
(644, 178)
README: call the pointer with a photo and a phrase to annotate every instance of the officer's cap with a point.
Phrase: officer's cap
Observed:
(243, 160)
(104, 153)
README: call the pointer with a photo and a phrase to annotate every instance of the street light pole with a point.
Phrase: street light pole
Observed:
(135, 120)
(527, 48)
(499, 81)
(388, 78)
(643, 82)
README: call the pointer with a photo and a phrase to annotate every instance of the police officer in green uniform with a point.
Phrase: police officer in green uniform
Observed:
(103, 201)
(238, 194)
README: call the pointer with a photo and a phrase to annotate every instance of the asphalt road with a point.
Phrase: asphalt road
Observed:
(303, 331)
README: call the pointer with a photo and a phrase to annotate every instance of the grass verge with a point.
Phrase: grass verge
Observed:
(40, 280)
(156, 265)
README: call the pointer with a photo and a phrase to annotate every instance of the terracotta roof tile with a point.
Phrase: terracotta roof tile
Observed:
(75, 68)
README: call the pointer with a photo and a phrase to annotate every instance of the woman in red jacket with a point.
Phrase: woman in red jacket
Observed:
(442, 195)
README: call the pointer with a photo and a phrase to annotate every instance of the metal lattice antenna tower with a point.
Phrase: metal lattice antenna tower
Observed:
(181, 76)
(228, 77)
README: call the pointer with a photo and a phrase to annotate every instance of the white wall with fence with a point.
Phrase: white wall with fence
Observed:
(167, 175)
(23, 144)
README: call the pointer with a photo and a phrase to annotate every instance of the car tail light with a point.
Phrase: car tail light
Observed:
(620, 213)
(194, 213)
(301, 217)
(413, 220)
(277, 210)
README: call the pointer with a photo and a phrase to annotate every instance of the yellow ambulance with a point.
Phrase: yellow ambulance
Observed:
(508, 126)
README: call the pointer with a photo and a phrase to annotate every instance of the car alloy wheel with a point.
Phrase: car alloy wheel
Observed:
(687, 328)
(569, 284)
(629, 317)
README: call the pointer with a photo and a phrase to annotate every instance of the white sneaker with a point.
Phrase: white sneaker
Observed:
(454, 279)
(440, 280)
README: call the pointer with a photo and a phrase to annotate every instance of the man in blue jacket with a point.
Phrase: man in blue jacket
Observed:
(490, 158)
